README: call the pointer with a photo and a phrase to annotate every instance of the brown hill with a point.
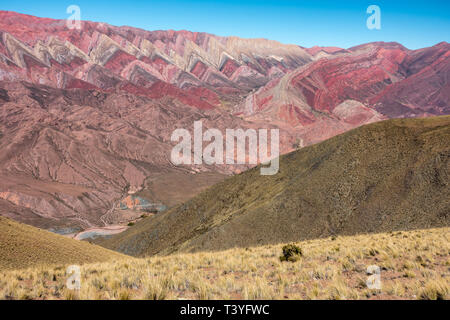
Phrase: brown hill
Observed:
(23, 246)
(391, 175)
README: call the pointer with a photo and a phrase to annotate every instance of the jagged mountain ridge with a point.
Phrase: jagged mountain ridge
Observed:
(138, 61)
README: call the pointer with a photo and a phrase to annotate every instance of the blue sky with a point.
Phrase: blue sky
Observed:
(415, 24)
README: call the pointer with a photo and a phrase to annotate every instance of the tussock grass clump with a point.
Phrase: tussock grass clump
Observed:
(435, 290)
(156, 289)
(291, 253)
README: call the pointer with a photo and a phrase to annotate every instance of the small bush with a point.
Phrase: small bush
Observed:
(291, 253)
(130, 224)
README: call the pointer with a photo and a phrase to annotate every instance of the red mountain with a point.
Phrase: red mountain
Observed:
(86, 115)
(373, 82)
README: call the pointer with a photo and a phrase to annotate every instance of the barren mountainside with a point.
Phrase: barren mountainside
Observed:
(390, 175)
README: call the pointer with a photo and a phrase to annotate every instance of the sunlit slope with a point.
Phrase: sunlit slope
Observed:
(23, 246)
(413, 264)
(391, 175)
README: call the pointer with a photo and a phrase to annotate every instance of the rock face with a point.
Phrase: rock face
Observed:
(86, 115)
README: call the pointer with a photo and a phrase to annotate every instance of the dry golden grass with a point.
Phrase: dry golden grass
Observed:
(23, 246)
(414, 265)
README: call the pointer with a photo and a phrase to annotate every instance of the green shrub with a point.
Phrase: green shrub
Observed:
(291, 253)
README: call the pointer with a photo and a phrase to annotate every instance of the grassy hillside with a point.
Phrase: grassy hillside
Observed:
(390, 175)
(23, 246)
(413, 264)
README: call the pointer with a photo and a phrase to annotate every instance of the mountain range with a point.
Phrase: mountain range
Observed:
(86, 114)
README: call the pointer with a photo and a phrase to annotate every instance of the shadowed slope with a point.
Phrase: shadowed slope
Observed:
(23, 246)
(391, 175)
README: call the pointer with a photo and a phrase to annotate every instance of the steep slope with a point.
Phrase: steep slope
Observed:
(426, 88)
(23, 246)
(391, 175)
(332, 95)
(69, 156)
